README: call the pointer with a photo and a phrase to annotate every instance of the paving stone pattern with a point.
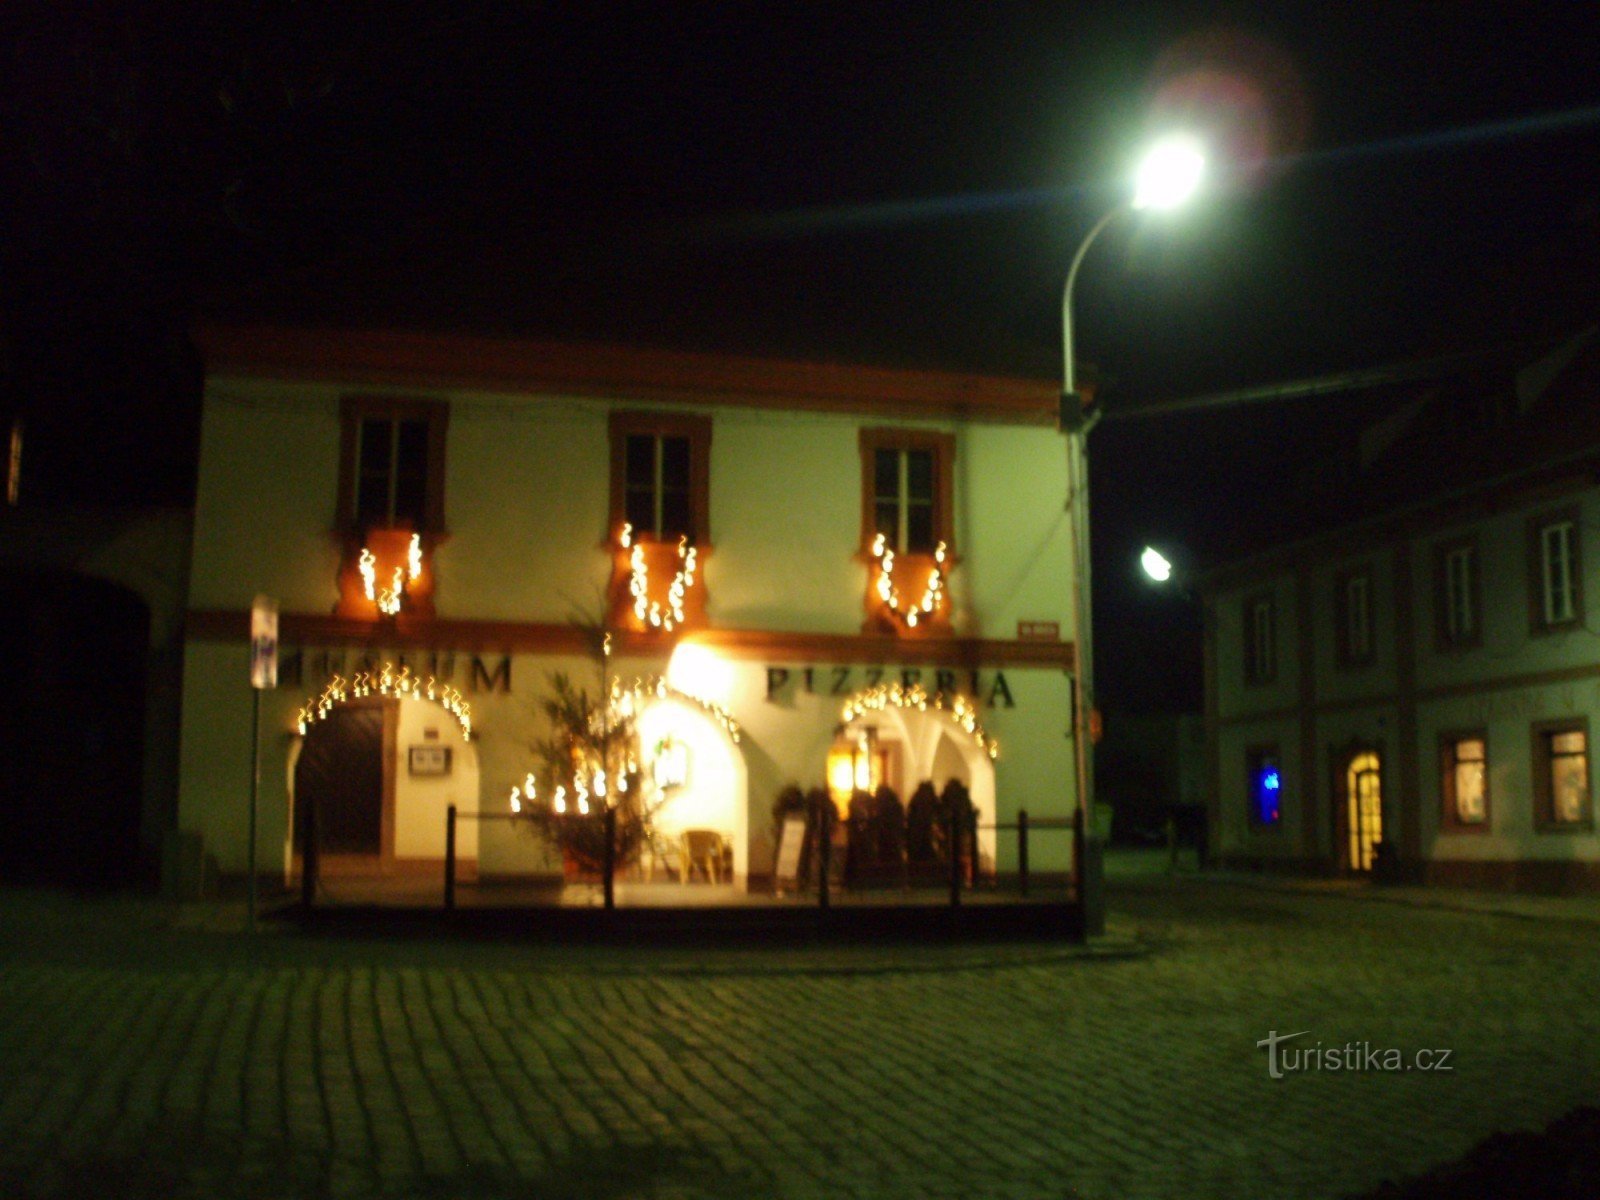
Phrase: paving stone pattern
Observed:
(141, 1058)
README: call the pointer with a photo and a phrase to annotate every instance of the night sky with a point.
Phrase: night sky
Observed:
(899, 184)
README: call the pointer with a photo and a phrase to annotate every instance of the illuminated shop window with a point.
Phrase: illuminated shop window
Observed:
(1561, 775)
(1464, 780)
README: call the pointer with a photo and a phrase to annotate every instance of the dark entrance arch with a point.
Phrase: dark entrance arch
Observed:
(343, 786)
(74, 655)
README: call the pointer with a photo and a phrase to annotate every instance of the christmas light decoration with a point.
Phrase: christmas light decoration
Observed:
(958, 707)
(401, 684)
(627, 701)
(648, 611)
(932, 593)
(389, 599)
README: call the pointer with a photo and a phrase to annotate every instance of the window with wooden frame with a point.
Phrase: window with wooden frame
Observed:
(1555, 572)
(390, 503)
(1464, 781)
(391, 464)
(1561, 799)
(907, 507)
(659, 526)
(1260, 639)
(1353, 609)
(1458, 605)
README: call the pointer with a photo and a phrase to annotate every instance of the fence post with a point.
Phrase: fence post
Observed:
(955, 824)
(824, 849)
(1022, 850)
(450, 858)
(308, 859)
(609, 859)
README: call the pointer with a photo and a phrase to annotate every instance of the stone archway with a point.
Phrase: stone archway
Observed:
(393, 760)
(935, 743)
(714, 790)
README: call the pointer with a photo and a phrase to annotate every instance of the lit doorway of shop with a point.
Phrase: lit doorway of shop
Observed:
(1362, 809)
(343, 786)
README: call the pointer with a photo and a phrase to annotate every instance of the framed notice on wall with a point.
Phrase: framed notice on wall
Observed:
(429, 760)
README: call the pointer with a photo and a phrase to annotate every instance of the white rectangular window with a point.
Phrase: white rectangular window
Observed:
(1567, 756)
(1557, 572)
(1261, 660)
(1460, 596)
(1358, 618)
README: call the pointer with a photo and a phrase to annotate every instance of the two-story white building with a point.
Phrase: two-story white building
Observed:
(773, 539)
(1414, 693)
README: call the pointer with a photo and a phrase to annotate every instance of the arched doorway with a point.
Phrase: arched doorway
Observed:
(902, 737)
(691, 756)
(75, 656)
(1359, 813)
(374, 775)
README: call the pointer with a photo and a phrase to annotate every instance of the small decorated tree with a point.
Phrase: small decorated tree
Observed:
(588, 763)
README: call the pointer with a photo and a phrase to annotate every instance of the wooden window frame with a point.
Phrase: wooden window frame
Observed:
(1544, 820)
(1537, 525)
(1254, 758)
(1443, 640)
(1346, 655)
(1450, 820)
(1256, 673)
(625, 423)
(355, 409)
(943, 447)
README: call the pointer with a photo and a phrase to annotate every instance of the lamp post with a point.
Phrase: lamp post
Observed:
(1167, 177)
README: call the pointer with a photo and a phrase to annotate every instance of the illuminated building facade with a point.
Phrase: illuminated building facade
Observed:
(799, 574)
(1414, 694)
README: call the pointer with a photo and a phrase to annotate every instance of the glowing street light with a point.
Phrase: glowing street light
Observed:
(1171, 172)
(1155, 564)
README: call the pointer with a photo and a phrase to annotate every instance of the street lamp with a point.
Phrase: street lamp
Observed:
(1169, 174)
(1155, 564)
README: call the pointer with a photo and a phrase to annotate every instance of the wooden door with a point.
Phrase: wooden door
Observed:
(340, 775)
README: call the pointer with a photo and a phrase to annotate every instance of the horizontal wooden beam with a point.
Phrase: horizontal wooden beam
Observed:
(534, 637)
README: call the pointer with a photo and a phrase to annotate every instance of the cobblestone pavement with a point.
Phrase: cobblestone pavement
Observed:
(139, 1058)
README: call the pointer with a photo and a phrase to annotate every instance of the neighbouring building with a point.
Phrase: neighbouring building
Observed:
(774, 540)
(1413, 692)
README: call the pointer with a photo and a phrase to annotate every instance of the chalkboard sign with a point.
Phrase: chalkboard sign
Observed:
(790, 838)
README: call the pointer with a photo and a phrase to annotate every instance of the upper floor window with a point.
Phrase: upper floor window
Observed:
(392, 464)
(1464, 779)
(657, 484)
(1561, 774)
(1354, 598)
(906, 489)
(906, 507)
(1261, 640)
(660, 475)
(1556, 575)
(1456, 595)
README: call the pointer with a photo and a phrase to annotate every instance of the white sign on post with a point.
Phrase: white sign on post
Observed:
(264, 643)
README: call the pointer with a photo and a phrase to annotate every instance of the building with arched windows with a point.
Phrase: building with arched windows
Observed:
(803, 574)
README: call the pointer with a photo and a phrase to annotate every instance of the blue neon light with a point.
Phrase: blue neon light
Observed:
(1266, 786)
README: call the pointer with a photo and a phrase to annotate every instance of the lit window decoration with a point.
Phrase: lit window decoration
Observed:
(932, 592)
(960, 709)
(649, 612)
(388, 681)
(390, 598)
